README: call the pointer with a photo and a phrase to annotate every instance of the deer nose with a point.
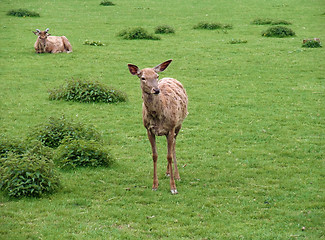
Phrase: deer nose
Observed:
(156, 91)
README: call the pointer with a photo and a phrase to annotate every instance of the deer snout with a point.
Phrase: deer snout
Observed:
(155, 91)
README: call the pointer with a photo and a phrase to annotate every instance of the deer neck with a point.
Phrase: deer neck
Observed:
(152, 103)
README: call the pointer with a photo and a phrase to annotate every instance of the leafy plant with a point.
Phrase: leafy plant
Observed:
(28, 175)
(55, 130)
(278, 31)
(237, 41)
(267, 21)
(80, 153)
(10, 146)
(212, 26)
(164, 29)
(94, 43)
(86, 91)
(137, 33)
(311, 43)
(106, 3)
(22, 13)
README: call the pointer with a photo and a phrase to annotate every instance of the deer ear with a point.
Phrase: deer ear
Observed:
(37, 32)
(161, 67)
(134, 70)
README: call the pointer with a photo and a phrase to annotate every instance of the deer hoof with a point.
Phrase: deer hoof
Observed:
(174, 191)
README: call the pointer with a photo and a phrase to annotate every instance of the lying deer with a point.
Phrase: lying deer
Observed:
(46, 43)
(163, 111)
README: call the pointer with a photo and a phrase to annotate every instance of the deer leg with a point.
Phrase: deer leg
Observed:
(152, 140)
(170, 144)
(176, 173)
(168, 171)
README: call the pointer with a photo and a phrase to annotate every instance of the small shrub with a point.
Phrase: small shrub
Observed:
(87, 91)
(52, 133)
(10, 146)
(36, 147)
(28, 175)
(80, 153)
(311, 43)
(22, 13)
(267, 21)
(94, 43)
(32, 146)
(107, 3)
(137, 33)
(278, 31)
(164, 29)
(237, 41)
(261, 21)
(212, 26)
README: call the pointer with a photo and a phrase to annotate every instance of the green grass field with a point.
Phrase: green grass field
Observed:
(251, 151)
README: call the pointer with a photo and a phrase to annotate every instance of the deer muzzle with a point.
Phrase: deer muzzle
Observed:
(156, 91)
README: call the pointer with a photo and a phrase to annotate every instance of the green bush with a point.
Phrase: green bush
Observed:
(86, 91)
(311, 43)
(80, 153)
(212, 26)
(237, 41)
(137, 33)
(22, 13)
(94, 43)
(164, 29)
(28, 175)
(36, 147)
(278, 31)
(52, 133)
(267, 21)
(106, 3)
(10, 146)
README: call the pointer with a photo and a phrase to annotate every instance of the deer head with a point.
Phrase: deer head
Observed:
(42, 36)
(149, 77)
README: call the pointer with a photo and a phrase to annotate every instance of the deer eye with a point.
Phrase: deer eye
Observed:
(143, 79)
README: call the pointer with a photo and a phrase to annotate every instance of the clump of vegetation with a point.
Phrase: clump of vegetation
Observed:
(80, 153)
(106, 3)
(137, 33)
(10, 146)
(212, 26)
(28, 175)
(237, 41)
(94, 43)
(86, 91)
(52, 133)
(22, 13)
(267, 21)
(278, 31)
(164, 29)
(312, 43)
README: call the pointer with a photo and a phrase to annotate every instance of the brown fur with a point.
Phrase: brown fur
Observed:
(51, 44)
(164, 109)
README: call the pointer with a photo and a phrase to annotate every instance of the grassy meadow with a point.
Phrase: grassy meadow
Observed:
(251, 151)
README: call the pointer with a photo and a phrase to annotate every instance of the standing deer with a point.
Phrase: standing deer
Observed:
(163, 111)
